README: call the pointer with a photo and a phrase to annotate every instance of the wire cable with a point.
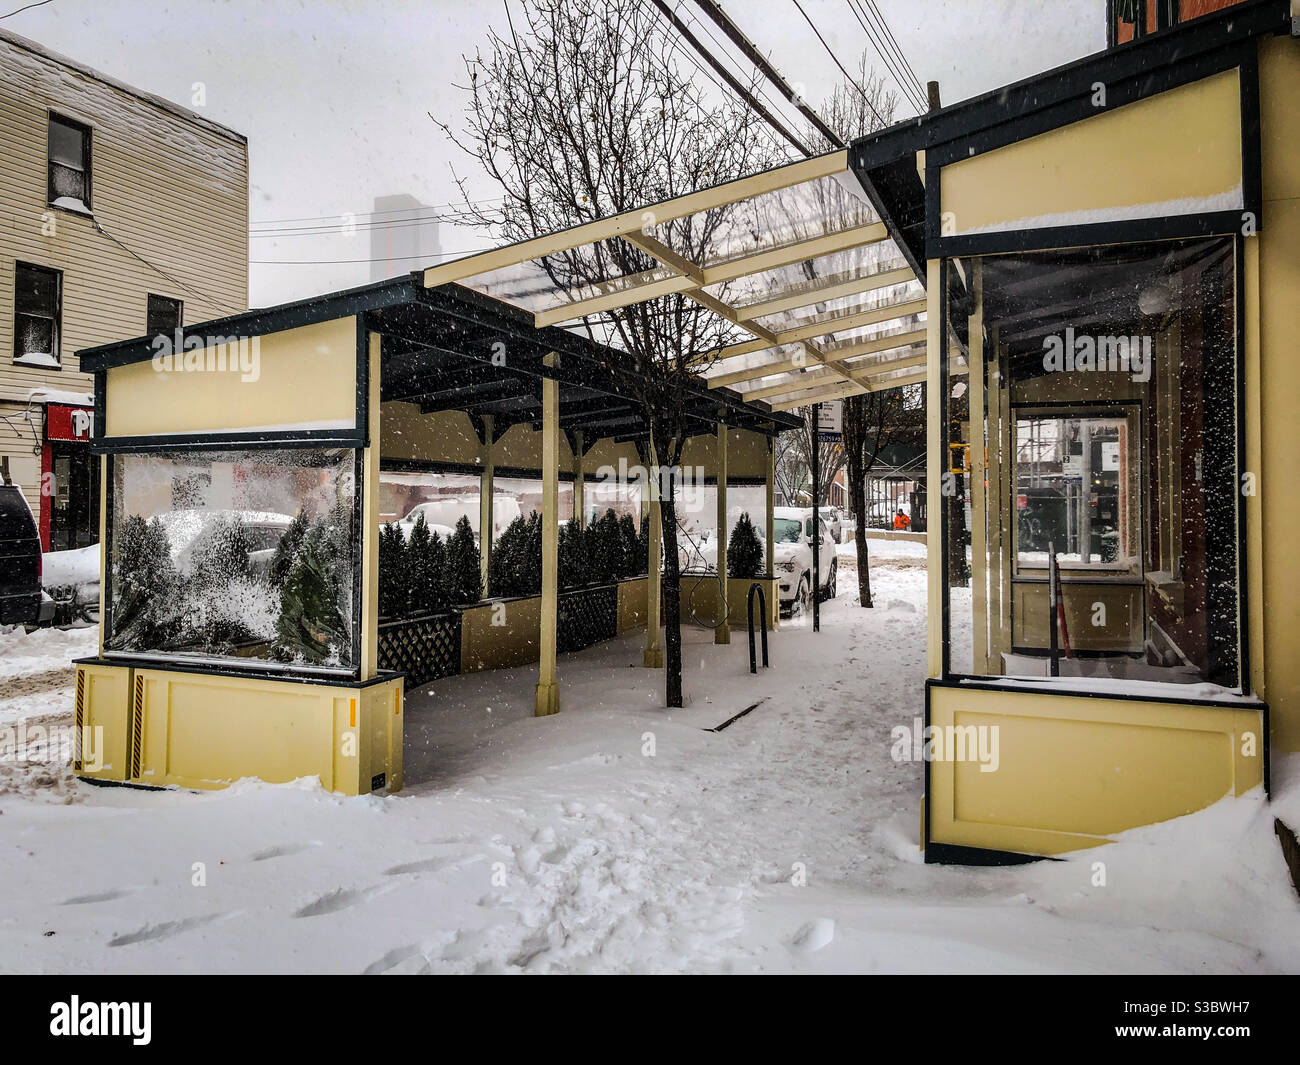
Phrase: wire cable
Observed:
(852, 81)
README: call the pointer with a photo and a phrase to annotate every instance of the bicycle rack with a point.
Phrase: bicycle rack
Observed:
(749, 610)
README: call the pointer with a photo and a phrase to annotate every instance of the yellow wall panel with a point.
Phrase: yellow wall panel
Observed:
(304, 377)
(1071, 771)
(1135, 161)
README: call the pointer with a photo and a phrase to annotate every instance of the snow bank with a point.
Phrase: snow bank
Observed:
(42, 650)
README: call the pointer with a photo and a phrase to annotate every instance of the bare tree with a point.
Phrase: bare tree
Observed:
(872, 422)
(584, 112)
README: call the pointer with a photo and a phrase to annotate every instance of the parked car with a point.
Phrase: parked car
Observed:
(22, 602)
(264, 529)
(792, 556)
(441, 515)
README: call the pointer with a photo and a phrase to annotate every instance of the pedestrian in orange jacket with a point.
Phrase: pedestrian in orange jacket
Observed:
(901, 521)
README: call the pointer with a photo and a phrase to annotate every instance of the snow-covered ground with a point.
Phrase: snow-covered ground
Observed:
(619, 837)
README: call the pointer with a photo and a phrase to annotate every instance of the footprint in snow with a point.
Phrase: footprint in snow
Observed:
(284, 850)
(166, 930)
(431, 865)
(340, 899)
(102, 896)
(814, 935)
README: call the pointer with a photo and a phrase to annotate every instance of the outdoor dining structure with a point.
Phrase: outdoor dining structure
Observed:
(1092, 273)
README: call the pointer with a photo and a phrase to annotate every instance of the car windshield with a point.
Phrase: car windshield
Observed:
(786, 530)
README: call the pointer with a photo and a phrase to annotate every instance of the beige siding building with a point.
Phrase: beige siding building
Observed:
(120, 213)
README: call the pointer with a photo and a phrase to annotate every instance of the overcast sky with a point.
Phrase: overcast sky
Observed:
(334, 95)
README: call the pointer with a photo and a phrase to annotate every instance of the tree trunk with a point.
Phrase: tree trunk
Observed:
(672, 593)
(858, 503)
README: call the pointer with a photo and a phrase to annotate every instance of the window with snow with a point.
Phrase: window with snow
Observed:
(69, 159)
(38, 299)
(245, 557)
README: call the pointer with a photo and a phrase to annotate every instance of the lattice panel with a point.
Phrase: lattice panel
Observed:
(587, 616)
(423, 648)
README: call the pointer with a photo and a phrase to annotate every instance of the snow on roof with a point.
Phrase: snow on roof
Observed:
(35, 48)
(56, 395)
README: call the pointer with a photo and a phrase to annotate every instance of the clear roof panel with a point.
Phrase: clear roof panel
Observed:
(591, 270)
(808, 276)
(776, 219)
(797, 318)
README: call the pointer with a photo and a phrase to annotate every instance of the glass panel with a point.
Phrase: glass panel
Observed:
(586, 272)
(35, 337)
(237, 556)
(67, 145)
(770, 220)
(1092, 497)
(36, 290)
(842, 305)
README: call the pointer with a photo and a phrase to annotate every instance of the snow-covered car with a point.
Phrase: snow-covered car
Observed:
(792, 556)
(441, 515)
(264, 530)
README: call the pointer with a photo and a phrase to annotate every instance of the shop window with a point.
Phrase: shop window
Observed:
(162, 315)
(1095, 391)
(247, 557)
(69, 164)
(38, 301)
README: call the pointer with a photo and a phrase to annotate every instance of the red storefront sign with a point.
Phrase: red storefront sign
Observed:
(63, 422)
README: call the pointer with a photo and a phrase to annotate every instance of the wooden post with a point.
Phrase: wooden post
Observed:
(653, 658)
(769, 521)
(548, 691)
(579, 483)
(722, 634)
(486, 513)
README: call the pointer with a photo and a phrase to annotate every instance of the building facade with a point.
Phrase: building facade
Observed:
(120, 213)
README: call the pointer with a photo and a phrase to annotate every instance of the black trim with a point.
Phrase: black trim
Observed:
(362, 423)
(1048, 238)
(360, 542)
(954, 854)
(286, 676)
(246, 441)
(1071, 100)
(342, 304)
(1035, 686)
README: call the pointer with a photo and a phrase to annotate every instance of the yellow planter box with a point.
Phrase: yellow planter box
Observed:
(160, 726)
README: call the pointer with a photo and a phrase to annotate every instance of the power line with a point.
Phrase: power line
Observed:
(849, 77)
(349, 262)
(721, 49)
(366, 227)
(747, 48)
(889, 34)
(727, 76)
(370, 214)
(39, 3)
(904, 84)
(902, 72)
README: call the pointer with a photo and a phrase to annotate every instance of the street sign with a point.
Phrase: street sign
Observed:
(830, 421)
